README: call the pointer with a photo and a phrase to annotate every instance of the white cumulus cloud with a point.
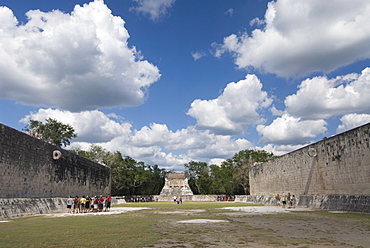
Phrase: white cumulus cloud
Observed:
(154, 144)
(237, 107)
(301, 37)
(288, 130)
(90, 126)
(77, 61)
(352, 120)
(320, 97)
(155, 134)
(279, 150)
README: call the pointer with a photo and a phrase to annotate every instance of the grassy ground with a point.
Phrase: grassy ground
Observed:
(158, 226)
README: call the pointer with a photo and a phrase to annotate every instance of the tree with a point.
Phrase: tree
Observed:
(242, 177)
(95, 153)
(223, 181)
(199, 178)
(51, 131)
(243, 160)
(156, 181)
(228, 177)
(129, 177)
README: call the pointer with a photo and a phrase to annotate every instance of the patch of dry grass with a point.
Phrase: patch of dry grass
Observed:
(158, 227)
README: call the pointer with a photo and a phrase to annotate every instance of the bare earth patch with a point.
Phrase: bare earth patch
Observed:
(200, 221)
(252, 226)
(263, 226)
(183, 212)
(256, 210)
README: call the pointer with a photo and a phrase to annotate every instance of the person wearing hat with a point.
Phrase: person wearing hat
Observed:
(69, 204)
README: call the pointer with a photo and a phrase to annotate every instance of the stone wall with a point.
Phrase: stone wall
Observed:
(11, 208)
(31, 168)
(21, 207)
(176, 184)
(339, 165)
(329, 202)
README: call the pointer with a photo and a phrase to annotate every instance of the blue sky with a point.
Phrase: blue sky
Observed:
(167, 82)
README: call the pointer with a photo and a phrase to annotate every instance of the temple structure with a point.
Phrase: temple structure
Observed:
(176, 184)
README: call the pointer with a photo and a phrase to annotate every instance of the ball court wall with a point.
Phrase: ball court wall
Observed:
(31, 168)
(335, 166)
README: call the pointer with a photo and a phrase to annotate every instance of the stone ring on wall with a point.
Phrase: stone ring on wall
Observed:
(57, 154)
(312, 152)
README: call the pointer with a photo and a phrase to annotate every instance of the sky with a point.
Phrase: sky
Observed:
(167, 82)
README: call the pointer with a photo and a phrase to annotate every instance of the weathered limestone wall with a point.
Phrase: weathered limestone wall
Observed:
(31, 168)
(353, 203)
(176, 184)
(339, 165)
(11, 208)
(20, 207)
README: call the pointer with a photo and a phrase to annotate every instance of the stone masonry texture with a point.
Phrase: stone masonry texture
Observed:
(333, 167)
(28, 169)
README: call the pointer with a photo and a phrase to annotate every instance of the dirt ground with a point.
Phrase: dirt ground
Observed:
(328, 231)
(268, 226)
(255, 226)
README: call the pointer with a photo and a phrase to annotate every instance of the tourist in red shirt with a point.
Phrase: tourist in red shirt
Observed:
(100, 203)
(108, 201)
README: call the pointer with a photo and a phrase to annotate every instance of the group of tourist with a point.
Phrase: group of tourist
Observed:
(221, 198)
(88, 204)
(286, 200)
(177, 200)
